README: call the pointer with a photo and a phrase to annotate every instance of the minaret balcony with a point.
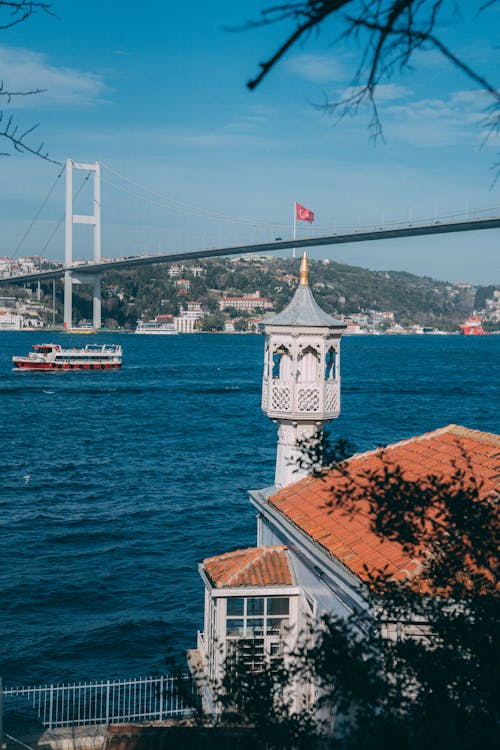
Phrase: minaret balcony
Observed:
(291, 400)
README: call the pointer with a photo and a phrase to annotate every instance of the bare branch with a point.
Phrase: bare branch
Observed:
(313, 11)
(20, 11)
(10, 94)
(12, 13)
(9, 131)
(395, 30)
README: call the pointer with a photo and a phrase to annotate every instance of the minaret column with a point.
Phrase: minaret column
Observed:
(293, 440)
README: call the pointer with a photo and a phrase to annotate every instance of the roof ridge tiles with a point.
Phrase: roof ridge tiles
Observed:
(253, 566)
(258, 553)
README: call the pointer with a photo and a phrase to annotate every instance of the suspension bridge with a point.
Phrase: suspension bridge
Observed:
(91, 271)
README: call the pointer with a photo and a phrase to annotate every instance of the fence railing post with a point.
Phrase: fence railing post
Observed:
(107, 702)
(51, 695)
(2, 745)
(91, 703)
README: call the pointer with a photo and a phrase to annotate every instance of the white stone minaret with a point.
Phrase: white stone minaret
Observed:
(301, 384)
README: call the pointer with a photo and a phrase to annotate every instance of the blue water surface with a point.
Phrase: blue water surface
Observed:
(115, 485)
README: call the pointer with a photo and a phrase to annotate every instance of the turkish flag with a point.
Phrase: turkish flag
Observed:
(303, 214)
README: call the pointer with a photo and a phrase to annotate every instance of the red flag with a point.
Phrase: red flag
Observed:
(303, 214)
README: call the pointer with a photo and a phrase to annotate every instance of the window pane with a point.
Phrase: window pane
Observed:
(278, 606)
(255, 625)
(277, 625)
(235, 606)
(251, 647)
(234, 626)
(255, 606)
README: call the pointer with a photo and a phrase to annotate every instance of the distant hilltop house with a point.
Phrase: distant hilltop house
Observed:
(175, 271)
(11, 266)
(309, 558)
(247, 303)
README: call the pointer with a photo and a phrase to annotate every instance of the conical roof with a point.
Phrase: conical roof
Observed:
(303, 310)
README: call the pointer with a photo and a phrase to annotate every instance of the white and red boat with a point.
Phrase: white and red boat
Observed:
(472, 326)
(54, 357)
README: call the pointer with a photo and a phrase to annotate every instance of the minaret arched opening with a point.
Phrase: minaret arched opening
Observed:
(331, 364)
(308, 371)
(281, 363)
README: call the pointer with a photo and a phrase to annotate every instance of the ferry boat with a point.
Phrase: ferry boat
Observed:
(81, 329)
(53, 357)
(472, 327)
(156, 327)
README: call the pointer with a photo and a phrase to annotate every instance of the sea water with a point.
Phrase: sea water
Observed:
(115, 485)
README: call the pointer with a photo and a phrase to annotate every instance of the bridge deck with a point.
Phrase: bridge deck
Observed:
(410, 230)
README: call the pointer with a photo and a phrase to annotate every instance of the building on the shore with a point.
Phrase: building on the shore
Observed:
(10, 321)
(247, 303)
(189, 318)
(310, 558)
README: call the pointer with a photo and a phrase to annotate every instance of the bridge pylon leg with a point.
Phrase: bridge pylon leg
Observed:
(68, 300)
(94, 220)
(96, 321)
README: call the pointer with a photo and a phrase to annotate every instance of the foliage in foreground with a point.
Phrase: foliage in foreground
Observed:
(432, 685)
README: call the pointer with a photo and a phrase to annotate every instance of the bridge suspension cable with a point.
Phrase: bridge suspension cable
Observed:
(59, 223)
(36, 216)
(165, 201)
(183, 207)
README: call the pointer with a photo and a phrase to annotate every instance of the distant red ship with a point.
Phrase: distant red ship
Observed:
(473, 327)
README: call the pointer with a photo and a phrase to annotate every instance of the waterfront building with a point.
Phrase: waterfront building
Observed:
(188, 318)
(312, 558)
(10, 321)
(247, 303)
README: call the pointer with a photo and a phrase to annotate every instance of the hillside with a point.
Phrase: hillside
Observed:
(339, 288)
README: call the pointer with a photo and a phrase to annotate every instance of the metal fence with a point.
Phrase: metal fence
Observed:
(106, 701)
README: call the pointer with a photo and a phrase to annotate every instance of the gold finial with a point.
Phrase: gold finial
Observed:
(304, 271)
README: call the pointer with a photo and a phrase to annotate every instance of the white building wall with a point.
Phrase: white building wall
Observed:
(330, 587)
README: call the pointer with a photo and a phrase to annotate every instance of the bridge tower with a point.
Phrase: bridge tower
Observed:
(301, 383)
(72, 277)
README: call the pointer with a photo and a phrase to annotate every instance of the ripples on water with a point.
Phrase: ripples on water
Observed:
(136, 475)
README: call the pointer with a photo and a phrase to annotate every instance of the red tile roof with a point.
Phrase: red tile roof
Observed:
(350, 537)
(255, 566)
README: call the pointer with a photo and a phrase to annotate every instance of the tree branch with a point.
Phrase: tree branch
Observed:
(20, 11)
(16, 12)
(396, 30)
(9, 131)
(313, 11)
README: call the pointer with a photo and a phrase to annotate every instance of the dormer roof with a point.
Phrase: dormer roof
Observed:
(254, 566)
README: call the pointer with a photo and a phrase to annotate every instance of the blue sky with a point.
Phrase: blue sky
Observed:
(159, 97)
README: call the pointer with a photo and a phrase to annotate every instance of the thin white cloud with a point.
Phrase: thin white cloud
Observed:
(25, 70)
(384, 92)
(319, 69)
(252, 119)
(459, 118)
